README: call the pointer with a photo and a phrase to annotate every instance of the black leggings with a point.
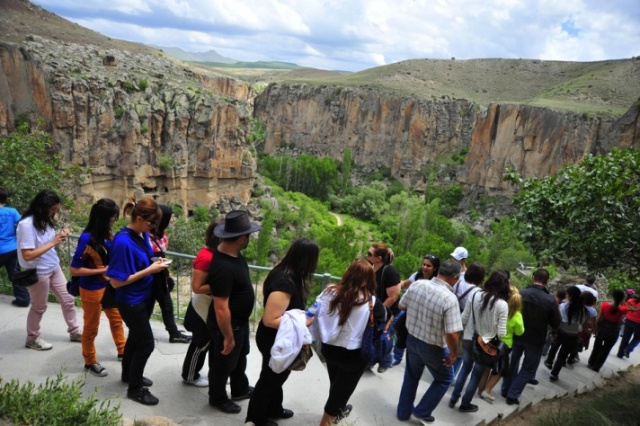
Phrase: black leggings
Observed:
(140, 343)
(345, 368)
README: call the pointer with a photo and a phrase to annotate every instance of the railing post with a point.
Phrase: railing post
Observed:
(326, 279)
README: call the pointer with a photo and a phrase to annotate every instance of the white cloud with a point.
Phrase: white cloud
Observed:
(357, 34)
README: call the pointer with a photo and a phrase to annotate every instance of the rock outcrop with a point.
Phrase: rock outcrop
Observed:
(141, 124)
(403, 134)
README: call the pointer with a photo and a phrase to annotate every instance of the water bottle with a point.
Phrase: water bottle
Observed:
(311, 311)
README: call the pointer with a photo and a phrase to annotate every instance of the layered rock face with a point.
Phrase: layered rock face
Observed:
(403, 134)
(141, 124)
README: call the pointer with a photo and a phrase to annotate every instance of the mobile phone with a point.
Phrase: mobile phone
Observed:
(167, 261)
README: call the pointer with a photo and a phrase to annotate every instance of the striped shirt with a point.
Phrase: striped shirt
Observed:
(432, 311)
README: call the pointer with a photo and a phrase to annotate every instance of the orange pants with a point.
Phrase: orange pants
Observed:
(92, 308)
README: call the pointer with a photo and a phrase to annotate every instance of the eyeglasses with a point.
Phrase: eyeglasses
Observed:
(370, 254)
(152, 224)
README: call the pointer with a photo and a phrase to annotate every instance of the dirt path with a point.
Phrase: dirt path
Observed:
(338, 218)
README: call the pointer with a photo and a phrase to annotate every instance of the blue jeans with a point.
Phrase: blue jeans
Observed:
(628, 344)
(10, 262)
(476, 371)
(464, 372)
(421, 355)
(514, 383)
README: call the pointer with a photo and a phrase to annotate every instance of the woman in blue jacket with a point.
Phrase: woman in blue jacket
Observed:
(131, 270)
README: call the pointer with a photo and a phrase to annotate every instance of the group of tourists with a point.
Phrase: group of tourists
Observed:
(441, 314)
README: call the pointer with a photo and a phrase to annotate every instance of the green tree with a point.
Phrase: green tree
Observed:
(586, 215)
(29, 164)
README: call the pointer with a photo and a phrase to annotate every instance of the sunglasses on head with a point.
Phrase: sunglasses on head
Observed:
(430, 257)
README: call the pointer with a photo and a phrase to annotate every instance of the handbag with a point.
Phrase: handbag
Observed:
(376, 339)
(26, 277)
(108, 300)
(301, 360)
(73, 286)
(484, 353)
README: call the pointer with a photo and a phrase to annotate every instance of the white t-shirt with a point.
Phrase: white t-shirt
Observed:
(591, 290)
(29, 238)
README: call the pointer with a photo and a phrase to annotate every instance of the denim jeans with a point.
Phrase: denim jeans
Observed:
(464, 371)
(476, 371)
(514, 383)
(627, 344)
(421, 355)
(10, 262)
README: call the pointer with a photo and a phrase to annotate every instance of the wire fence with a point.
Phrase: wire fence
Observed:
(180, 271)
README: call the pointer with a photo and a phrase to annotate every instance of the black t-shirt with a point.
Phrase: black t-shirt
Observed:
(386, 277)
(278, 282)
(228, 276)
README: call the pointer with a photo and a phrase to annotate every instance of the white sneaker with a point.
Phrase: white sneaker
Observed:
(200, 382)
(39, 344)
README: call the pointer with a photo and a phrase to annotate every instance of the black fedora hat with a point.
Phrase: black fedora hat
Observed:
(236, 223)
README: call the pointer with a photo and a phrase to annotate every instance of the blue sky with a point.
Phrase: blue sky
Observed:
(357, 34)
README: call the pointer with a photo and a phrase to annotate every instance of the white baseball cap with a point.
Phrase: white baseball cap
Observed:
(460, 253)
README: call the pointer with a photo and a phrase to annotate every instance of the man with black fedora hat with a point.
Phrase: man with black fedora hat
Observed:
(233, 301)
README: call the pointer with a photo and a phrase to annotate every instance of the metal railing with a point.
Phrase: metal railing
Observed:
(181, 272)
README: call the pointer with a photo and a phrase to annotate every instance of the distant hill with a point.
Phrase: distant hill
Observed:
(266, 65)
(208, 56)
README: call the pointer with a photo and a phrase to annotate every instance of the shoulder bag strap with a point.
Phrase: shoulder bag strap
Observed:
(370, 311)
(466, 292)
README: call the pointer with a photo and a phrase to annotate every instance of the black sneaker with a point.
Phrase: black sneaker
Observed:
(145, 381)
(226, 406)
(246, 395)
(143, 396)
(179, 337)
(471, 408)
(343, 414)
(548, 365)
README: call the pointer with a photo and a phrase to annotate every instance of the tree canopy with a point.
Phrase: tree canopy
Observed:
(28, 165)
(588, 215)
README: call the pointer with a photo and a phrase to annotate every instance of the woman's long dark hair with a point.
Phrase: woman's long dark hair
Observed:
(354, 289)
(99, 226)
(163, 223)
(299, 264)
(618, 298)
(576, 308)
(40, 207)
(496, 287)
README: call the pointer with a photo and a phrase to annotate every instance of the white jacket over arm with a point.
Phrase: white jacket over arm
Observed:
(292, 334)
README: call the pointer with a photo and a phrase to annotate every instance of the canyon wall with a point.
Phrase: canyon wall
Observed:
(403, 134)
(140, 124)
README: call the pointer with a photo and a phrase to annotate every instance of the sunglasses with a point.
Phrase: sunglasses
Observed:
(152, 224)
(430, 257)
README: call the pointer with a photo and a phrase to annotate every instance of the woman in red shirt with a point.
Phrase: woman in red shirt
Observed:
(631, 327)
(607, 329)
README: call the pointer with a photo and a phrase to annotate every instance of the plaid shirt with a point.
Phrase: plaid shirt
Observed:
(432, 311)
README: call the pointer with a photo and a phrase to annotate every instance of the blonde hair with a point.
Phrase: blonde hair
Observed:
(515, 301)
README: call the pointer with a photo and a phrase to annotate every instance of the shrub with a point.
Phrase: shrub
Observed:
(143, 84)
(54, 402)
(165, 162)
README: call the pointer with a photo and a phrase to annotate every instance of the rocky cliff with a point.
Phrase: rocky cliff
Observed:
(140, 123)
(403, 134)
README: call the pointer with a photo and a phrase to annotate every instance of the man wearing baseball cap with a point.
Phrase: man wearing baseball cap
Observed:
(233, 300)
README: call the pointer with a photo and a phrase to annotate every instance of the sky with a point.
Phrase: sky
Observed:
(353, 35)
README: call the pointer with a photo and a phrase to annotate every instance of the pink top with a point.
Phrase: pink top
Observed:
(159, 244)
